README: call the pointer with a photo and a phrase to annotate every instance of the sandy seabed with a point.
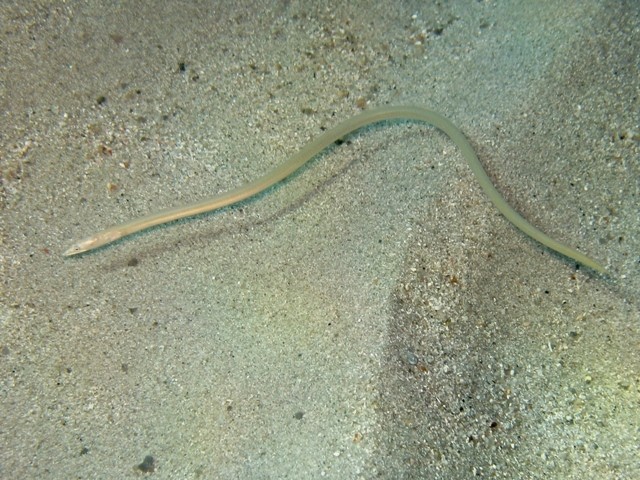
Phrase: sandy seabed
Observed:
(372, 316)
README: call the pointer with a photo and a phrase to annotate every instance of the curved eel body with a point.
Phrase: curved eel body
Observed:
(313, 148)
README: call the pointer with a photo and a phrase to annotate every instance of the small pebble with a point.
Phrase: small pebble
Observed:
(412, 359)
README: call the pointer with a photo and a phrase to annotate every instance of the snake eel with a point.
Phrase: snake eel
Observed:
(313, 148)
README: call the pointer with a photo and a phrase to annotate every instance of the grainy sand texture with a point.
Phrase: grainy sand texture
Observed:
(371, 317)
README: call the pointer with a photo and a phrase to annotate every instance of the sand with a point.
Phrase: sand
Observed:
(373, 316)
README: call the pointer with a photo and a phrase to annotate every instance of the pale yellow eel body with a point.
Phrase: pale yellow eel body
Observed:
(313, 148)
